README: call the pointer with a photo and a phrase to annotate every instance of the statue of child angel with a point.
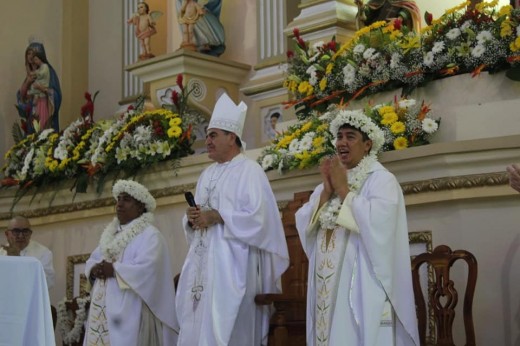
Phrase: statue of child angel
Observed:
(144, 21)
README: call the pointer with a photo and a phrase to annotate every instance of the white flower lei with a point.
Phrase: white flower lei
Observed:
(356, 179)
(112, 243)
(71, 335)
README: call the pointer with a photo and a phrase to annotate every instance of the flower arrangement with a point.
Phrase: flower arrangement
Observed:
(386, 56)
(88, 151)
(301, 146)
(70, 329)
(396, 125)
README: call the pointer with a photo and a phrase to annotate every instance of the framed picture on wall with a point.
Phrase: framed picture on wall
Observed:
(271, 116)
(77, 283)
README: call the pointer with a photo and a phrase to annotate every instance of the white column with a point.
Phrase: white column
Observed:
(271, 21)
(132, 86)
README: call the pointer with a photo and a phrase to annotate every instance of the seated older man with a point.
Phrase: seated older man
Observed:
(18, 236)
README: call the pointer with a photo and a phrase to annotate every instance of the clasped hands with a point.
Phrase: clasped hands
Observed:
(335, 179)
(202, 219)
(102, 270)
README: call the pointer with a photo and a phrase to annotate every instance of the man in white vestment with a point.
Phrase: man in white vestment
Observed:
(354, 232)
(237, 246)
(133, 297)
(19, 241)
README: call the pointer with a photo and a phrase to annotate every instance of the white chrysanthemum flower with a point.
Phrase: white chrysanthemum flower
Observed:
(478, 50)
(484, 36)
(395, 60)
(370, 54)
(429, 125)
(438, 47)
(428, 59)
(314, 58)
(406, 103)
(359, 48)
(311, 71)
(267, 162)
(349, 74)
(306, 143)
(294, 146)
(453, 33)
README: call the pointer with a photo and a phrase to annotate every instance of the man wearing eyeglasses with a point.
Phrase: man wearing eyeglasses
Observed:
(18, 235)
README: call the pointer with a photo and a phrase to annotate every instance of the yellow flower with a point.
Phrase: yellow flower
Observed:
(389, 118)
(284, 142)
(323, 83)
(385, 109)
(505, 28)
(328, 69)
(400, 143)
(318, 141)
(410, 43)
(305, 88)
(175, 122)
(397, 127)
(505, 10)
(174, 131)
(515, 46)
(306, 127)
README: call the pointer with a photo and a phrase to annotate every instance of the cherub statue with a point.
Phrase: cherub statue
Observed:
(144, 21)
(200, 26)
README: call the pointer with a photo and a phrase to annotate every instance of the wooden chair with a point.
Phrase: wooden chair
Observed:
(288, 322)
(443, 296)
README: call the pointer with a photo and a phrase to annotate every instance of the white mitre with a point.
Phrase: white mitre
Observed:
(228, 116)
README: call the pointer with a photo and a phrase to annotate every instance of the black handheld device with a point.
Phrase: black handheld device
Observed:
(190, 199)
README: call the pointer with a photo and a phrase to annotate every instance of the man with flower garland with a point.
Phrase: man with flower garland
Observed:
(133, 297)
(354, 232)
(237, 246)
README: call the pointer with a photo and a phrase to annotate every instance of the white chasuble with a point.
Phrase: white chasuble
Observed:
(144, 281)
(228, 264)
(371, 300)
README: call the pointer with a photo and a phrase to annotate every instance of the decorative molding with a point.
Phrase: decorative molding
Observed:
(93, 204)
(409, 188)
(455, 183)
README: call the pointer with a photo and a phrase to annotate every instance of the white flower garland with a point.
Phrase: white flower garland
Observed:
(72, 335)
(137, 191)
(112, 242)
(356, 179)
(359, 120)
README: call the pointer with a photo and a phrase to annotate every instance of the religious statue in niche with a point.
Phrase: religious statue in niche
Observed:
(144, 22)
(39, 97)
(377, 10)
(200, 26)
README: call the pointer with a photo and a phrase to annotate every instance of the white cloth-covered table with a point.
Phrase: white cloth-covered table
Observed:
(25, 308)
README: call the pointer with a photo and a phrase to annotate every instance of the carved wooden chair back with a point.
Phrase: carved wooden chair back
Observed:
(443, 296)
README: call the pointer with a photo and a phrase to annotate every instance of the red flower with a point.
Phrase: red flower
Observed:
(175, 98)
(398, 23)
(130, 108)
(290, 54)
(332, 45)
(428, 18)
(179, 81)
(87, 110)
(296, 33)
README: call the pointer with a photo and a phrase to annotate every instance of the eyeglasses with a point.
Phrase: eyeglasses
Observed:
(21, 231)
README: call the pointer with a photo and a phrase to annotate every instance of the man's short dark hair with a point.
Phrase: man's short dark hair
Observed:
(348, 126)
(238, 142)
